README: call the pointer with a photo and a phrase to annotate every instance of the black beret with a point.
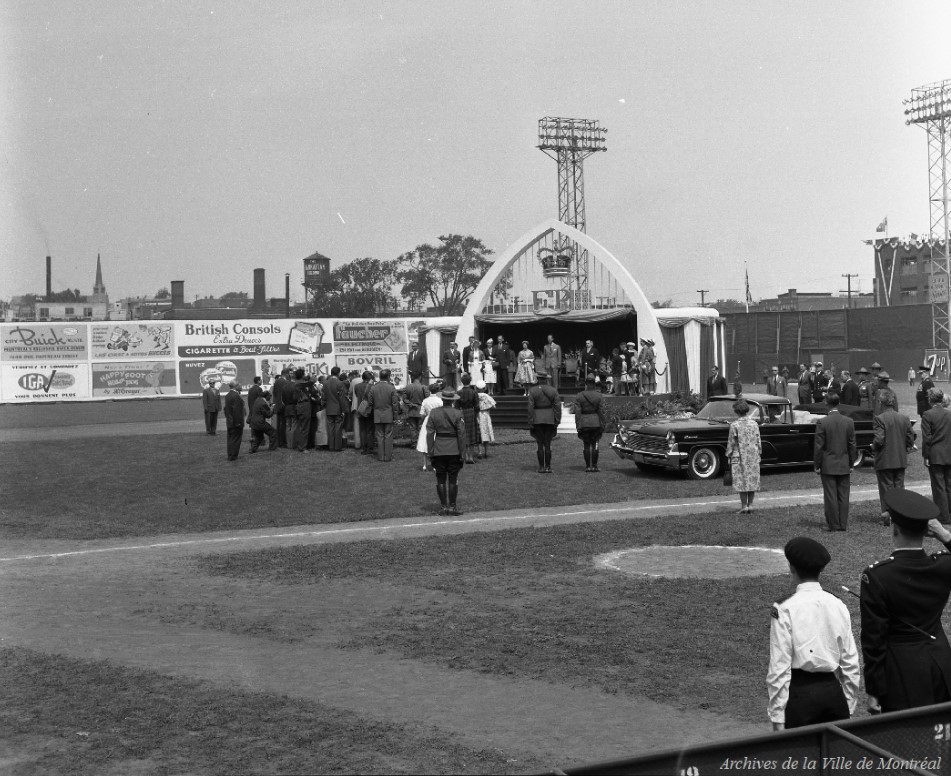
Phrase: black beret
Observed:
(910, 510)
(806, 554)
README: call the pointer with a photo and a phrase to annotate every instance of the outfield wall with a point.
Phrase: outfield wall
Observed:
(43, 362)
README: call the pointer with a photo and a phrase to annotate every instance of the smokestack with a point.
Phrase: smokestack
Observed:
(260, 302)
(178, 294)
(49, 277)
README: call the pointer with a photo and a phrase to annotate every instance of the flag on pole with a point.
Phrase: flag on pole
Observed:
(749, 296)
(883, 227)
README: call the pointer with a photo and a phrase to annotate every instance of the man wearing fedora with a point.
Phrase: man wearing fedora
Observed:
(905, 649)
(446, 442)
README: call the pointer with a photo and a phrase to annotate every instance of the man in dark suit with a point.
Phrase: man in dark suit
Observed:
(335, 403)
(450, 366)
(386, 407)
(504, 356)
(258, 418)
(716, 383)
(467, 353)
(936, 451)
(211, 403)
(277, 393)
(590, 359)
(850, 390)
(894, 439)
(907, 659)
(254, 393)
(360, 391)
(234, 418)
(834, 453)
(289, 399)
(921, 395)
(417, 364)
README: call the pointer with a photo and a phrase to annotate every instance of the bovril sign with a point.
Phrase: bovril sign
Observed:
(37, 381)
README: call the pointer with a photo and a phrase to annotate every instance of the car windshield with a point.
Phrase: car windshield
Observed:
(718, 410)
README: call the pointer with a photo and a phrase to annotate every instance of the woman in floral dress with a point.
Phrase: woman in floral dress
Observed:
(744, 450)
(486, 430)
(525, 376)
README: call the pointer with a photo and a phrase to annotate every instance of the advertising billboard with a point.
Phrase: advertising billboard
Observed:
(134, 378)
(33, 342)
(44, 382)
(126, 340)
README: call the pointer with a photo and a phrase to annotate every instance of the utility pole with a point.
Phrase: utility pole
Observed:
(849, 291)
(703, 296)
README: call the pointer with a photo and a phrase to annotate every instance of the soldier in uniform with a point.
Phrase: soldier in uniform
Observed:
(813, 662)
(905, 650)
(446, 442)
(921, 395)
(865, 387)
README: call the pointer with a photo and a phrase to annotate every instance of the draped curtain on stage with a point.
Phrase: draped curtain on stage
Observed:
(676, 344)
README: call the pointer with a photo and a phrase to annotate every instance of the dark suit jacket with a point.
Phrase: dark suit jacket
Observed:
(894, 437)
(921, 395)
(902, 666)
(591, 361)
(504, 355)
(335, 396)
(417, 363)
(211, 400)
(260, 412)
(716, 386)
(936, 436)
(834, 449)
(850, 393)
(254, 393)
(385, 402)
(234, 409)
(450, 362)
(277, 394)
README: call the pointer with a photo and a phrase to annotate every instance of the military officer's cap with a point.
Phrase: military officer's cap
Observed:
(807, 554)
(924, 369)
(884, 376)
(910, 510)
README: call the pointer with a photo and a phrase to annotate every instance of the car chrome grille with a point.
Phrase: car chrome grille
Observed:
(652, 445)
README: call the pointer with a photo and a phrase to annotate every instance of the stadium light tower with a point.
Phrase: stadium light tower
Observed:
(930, 107)
(569, 142)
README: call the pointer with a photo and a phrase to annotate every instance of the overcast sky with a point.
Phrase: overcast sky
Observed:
(196, 140)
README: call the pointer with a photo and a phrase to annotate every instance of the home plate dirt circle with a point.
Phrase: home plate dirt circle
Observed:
(697, 561)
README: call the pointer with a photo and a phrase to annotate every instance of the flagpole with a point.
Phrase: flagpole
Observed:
(746, 272)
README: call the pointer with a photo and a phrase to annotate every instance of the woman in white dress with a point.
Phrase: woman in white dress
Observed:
(486, 403)
(431, 401)
(476, 358)
(489, 369)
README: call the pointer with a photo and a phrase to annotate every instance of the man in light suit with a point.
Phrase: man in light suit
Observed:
(776, 383)
(551, 355)
(834, 454)
(211, 402)
(450, 366)
(417, 364)
(894, 439)
(335, 403)
(936, 451)
(385, 403)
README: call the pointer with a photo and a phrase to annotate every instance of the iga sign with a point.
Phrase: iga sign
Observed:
(53, 382)
(137, 378)
(268, 338)
(131, 340)
(43, 342)
(376, 362)
(370, 337)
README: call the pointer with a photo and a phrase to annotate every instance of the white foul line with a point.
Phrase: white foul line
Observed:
(798, 497)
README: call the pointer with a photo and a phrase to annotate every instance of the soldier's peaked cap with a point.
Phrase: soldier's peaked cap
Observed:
(910, 510)
(806, 554)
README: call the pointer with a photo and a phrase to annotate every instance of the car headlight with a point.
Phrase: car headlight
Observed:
(671, 442)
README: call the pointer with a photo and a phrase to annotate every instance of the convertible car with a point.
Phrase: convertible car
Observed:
(697, 445)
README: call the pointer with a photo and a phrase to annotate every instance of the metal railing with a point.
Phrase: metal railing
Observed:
(915, 741)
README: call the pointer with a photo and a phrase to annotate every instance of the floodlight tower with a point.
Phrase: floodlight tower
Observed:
(570, 142)
(930, 107)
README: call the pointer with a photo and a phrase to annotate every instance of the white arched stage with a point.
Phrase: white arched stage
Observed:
(647, 323)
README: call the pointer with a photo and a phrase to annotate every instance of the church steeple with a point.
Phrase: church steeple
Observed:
(99, 289)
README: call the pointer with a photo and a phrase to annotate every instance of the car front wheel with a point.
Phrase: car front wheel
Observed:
(704, 464)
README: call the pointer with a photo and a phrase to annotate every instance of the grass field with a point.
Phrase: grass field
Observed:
(524, 605)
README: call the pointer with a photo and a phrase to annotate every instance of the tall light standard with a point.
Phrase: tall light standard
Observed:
(930, 107)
